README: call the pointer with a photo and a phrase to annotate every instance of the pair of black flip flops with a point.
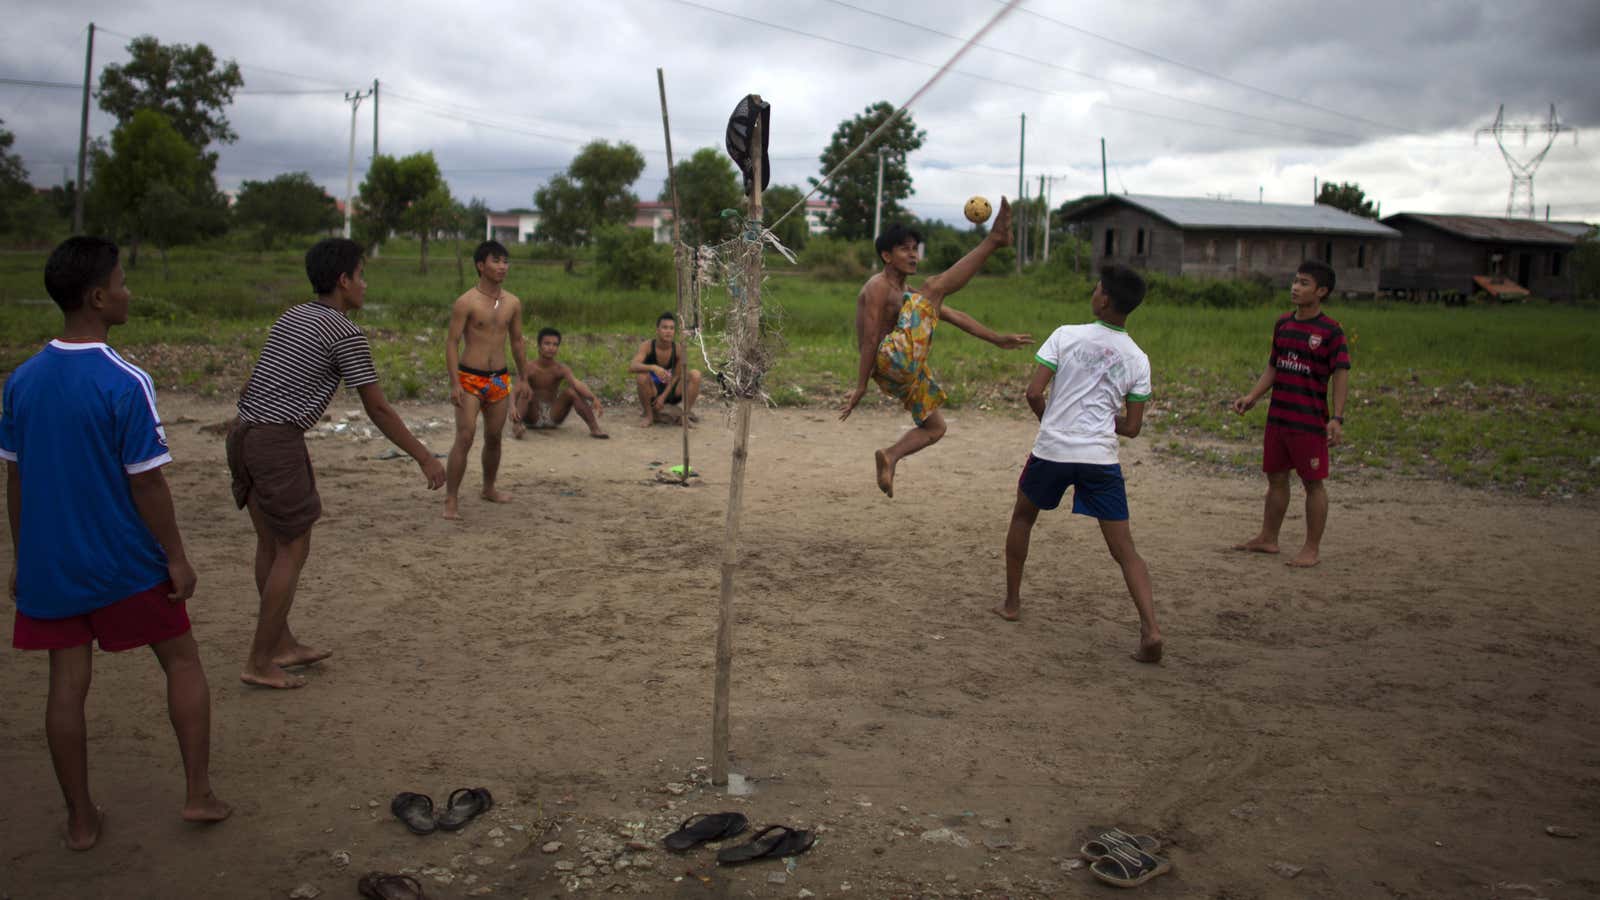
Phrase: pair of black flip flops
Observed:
(464, 805)
(771, 842)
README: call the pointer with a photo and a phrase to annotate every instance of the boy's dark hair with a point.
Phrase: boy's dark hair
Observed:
(488, 249)
(328, 259)
(665, 316)
(547, 332)
(896, 234)
(1320, 272)
(77, 266)
(1124, 286)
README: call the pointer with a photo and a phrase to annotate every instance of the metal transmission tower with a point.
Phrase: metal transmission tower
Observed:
(1522, 172)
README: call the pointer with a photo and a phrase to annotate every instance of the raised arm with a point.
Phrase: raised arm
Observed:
(452, 351)
(869, 330)
(153, 499)
(956, 277)
(978, 330)
(394, 428)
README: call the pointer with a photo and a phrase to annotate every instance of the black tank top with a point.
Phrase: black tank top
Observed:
(650, 357)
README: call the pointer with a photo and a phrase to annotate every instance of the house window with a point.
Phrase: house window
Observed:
(1361, 256)
(1140, 244)
(1555, 263)
(1327, 252)
(1111, 240)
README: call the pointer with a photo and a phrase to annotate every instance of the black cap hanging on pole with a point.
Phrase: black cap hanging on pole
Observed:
(740, 125)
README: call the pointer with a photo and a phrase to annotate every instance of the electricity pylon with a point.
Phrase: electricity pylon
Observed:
(1522, 172)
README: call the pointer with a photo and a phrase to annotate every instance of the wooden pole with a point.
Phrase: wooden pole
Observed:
(677, 259)
(749, 336)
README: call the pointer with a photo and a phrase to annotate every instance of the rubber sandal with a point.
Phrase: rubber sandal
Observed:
(704, 828)
(381, 886)
(464, 805)
(1126, 867)
(1106, 838)
(415, 810)
(764, 844)
(796, 843)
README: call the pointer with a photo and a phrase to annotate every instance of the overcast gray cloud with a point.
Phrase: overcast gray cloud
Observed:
(1227, 97)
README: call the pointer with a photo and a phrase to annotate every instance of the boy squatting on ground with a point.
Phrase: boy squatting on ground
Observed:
(483, 317)
(96, 550)
(658, 368)
(546, 404)
(1308, 353)
(894, 328)
(310, 349)
(1090, 370)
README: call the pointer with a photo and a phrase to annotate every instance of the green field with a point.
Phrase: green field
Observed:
(1502, 396)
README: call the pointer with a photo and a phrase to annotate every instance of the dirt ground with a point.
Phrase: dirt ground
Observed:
(1404, 721)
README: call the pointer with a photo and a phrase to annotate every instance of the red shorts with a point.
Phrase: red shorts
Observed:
(1302, 451)
(147, 617)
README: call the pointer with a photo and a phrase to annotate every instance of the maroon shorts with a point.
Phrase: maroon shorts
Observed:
(1302, 451)
(147, 617)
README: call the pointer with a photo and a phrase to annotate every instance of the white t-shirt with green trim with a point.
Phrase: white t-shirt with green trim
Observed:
(1097, 367)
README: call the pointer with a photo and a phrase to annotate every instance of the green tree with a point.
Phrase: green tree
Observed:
(592, 192)
(434, 213)
(139, 184)
(854, 189)
(707, 185)
(1348, 197)
(630, 258)
(392, 185)
(793, 231)
(1586, 266)
(23, 213)
(288, 205)
(186, 84)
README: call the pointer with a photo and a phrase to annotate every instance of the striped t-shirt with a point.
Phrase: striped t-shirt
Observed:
(1304, 355)
(309, 350)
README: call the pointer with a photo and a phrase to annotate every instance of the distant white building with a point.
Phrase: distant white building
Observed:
(522, 226)
(511, 227)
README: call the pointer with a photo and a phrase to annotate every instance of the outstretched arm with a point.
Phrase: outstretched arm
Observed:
(982, 332)
(956, 277)
(394, 428)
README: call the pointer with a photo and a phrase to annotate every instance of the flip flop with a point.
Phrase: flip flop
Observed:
(382, 886)
(773, 841)
(415, 810)
(704, 828)
(1126, 867)
(1107, 838)
(464, 805)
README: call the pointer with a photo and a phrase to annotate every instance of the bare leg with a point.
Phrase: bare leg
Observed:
(1023, 515)
(1316, 523)
(1119, 540)
(919, 438)
(189, 708)
(456, 466)
(647, 400)
(569, 400)
(290, 651)
(494, 426)
(277, 598)
(67, 733)
(1272, 515)
(691, 393)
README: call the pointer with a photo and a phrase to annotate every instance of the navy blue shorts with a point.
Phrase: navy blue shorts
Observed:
(1098, 489)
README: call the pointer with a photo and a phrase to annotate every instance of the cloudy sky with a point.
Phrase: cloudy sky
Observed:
(1248, 99)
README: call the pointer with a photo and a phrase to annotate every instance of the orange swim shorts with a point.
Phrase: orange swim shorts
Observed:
(490, 387)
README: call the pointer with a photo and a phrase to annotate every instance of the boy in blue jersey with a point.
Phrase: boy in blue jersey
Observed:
(96, 551)
(1092, 373)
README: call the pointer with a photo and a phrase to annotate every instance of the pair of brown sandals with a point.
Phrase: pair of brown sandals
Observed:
(1124, 860)
(415, 811)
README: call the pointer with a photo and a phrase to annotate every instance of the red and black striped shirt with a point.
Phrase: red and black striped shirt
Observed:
(1304, 355)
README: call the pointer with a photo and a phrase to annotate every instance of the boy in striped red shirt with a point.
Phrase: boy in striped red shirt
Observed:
(1309, 355)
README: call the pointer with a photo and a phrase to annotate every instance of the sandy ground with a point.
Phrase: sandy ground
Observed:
(1404, 721)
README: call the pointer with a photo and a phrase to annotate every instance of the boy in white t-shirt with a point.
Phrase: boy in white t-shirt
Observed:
(1090, 371)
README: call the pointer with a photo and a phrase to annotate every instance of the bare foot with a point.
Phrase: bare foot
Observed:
(274, 677)
(206, 809)
(451, 510)
(1305, 559)
(84, 832)
(1007, 611)
(301, 656)
(646, 422)
(1258, 545)
(885, 472)
(518, 429)
(1149, 651)
(496, 496)
(599, 435)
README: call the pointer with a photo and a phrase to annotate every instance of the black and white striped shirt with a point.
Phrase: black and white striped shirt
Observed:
(310, 348)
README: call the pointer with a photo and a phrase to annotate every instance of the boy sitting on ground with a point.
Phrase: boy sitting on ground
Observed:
(546, 403)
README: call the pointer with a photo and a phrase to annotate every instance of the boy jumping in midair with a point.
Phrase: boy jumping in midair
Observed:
(894, 329)
(1308, 355)
(1091, 371)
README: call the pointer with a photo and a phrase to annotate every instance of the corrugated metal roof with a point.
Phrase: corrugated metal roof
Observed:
(1199, 212)
(1489, 228)
(1576, 229)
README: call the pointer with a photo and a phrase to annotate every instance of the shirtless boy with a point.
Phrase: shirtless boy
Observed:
(894, 326)
(1309, 356)
(482, 318)
(547, 404)
(659, 370)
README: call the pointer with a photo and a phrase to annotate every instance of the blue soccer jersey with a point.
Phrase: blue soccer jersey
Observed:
(78, 420)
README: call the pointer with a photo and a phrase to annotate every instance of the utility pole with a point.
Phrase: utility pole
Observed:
(1314, 193)
(1022, 146)
(354, 99)
(1522, 171)
(1044, 216)
(83, 137)
(1046, 191)
(374, 118)
(1105, 186)
(877, 209)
